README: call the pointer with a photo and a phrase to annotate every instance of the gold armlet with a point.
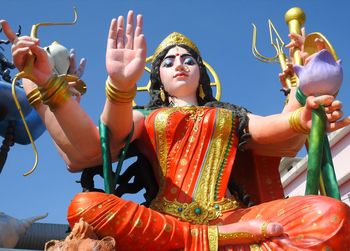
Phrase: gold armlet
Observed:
(213, 238)
(116, 96)
(34, 97)
(56, 92)
(294, 122)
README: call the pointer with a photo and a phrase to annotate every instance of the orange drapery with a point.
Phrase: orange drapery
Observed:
(195, 148)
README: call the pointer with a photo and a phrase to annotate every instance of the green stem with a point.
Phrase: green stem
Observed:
(328, 173)
(122, 155)
(316, 140)
(106, 158)
(320, 157)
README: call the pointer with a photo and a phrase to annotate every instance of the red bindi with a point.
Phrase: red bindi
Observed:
(177, 54)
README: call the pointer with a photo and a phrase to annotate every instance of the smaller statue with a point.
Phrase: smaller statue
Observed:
(82, 237)
(11, 229)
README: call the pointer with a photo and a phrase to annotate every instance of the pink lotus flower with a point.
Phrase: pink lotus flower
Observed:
(321, 76)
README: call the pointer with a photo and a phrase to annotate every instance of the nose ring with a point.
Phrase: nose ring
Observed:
(186, 68)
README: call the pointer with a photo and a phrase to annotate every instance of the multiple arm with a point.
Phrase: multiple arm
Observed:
(71, 128)
(125, 62)
(74, 133)
(77, 137)
(274, 135)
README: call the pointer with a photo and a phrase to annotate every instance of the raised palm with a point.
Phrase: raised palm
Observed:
(126, 54)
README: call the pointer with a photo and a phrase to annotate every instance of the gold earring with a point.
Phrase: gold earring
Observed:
(162, 94)
(201, 92)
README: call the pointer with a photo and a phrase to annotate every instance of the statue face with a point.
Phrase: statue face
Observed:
(179, 73)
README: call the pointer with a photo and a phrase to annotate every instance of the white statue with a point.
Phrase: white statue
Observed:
(11, 229)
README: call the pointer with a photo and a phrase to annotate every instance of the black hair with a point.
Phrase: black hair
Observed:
(156, 102)
(208, 100)
(204, 81)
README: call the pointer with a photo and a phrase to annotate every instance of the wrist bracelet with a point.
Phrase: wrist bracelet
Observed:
(56, 92)
(294, 122)
(116, 96)
(34, 97)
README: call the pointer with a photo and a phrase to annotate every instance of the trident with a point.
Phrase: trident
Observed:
(321, 173)
(280, 57)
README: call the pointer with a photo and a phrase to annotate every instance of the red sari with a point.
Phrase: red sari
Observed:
(192, 152)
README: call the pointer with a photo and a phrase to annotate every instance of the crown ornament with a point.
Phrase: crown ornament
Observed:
(175, 38)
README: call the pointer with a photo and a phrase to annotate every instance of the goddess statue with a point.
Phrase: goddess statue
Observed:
(191, 141)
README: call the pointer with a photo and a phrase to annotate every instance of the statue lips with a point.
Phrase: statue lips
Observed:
(321, 76)
(180, 75)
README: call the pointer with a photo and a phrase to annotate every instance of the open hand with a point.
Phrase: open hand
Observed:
(75, 70)
(126, 52)
(297, 43)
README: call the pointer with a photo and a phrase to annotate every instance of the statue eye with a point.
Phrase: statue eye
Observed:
(190, 61)
(168, 62)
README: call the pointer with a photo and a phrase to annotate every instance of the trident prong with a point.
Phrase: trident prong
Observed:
(291, 81)
(281, 58)
(257, 54)
(279, 42)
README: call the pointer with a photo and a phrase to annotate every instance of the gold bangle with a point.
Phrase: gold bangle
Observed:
(294, 122)
(34, 97)
(56, 92)
(213, 238)
(116, 96)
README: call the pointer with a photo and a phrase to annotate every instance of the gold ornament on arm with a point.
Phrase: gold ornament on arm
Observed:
(27, 73)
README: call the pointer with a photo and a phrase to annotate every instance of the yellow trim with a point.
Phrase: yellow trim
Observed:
(213, 238)
(160, 123)
(255, 247)
(205, 191)
(186, 211)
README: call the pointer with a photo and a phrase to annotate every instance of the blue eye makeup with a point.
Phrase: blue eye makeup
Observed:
(168, 62)
(185, 58)
(189, 61)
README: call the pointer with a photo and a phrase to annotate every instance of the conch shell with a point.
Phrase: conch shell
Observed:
(11, 229)
(321, 76)
(58, 57)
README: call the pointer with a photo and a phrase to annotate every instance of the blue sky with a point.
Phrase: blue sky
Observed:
(221, 29)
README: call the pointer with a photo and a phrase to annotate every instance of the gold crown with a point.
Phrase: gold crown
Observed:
(175, 38)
